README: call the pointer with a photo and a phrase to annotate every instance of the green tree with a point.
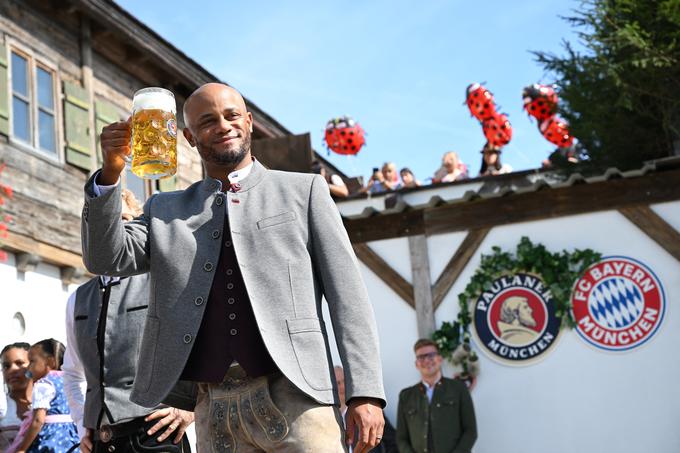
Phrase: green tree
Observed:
(621, 93)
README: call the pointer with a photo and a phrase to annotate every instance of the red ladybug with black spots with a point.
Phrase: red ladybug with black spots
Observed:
(540, 101)
(480, 102)
(344, 135)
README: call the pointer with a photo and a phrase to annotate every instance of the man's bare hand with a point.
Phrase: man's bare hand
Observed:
(86, 444)
(175, 419)
(365, 418)
(115, 143)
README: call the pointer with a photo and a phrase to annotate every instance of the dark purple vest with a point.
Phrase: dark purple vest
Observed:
(228, 329)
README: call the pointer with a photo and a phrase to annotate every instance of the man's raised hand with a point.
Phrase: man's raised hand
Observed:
(115, 143)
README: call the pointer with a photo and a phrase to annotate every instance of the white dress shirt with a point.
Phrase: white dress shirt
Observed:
(429, 391)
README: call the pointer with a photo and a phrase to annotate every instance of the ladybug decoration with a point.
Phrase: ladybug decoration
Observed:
(480, 102)
(540, 101)
(496, 127)
(344, 136)
(556, 131)
(497, 130)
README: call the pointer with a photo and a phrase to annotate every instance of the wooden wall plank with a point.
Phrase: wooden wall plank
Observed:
(385, 272)
(655, 227)
(456, 265)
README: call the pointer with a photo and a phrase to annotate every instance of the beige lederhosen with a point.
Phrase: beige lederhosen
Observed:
(265, 414)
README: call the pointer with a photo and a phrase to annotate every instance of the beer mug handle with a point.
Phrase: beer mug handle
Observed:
(128, 158)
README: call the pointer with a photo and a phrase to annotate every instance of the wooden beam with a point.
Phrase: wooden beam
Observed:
(15, 243)
(381, 226)
(655, 187)
(385, 272)
(655, 227)
(456, 265)
(422, 288)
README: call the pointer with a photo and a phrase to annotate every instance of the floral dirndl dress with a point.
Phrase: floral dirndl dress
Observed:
(59, 433)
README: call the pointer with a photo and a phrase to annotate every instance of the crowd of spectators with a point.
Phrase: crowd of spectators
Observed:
(388, 177)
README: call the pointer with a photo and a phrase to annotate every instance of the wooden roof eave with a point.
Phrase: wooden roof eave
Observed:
(542, 203)
(170, 59)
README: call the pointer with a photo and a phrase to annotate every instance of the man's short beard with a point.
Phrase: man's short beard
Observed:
(232, 158)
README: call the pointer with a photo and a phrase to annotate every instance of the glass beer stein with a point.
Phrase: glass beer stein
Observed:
(153, 142)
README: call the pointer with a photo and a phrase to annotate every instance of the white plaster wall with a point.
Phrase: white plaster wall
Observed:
(39, 296)
(393, 251)
(578, 399)
(441, 248)
(670, 212)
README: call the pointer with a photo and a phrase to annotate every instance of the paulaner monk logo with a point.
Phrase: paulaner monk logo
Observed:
(515, 319)
(618, 304)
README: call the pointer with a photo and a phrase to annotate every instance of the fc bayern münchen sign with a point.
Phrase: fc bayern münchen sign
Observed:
(618, 304)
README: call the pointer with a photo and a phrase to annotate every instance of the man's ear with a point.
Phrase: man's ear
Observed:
(250, 122)
(189, 136)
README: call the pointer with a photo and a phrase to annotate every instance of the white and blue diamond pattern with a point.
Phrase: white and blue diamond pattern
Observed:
(616, 303)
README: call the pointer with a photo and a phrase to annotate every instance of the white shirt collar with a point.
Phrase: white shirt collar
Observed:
(108, 280)
(433, 385)
(238, 175)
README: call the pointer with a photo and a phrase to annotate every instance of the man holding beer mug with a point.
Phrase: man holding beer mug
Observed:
(238, 264)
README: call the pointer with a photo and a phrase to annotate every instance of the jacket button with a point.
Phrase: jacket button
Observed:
(208, 266)
(219, 201)
(233, 332)
(230, 286)
(187, 338)
(227, 244)
(216, 234)
(232, 316)
(230, 271)
(198, 301)
(231, 301)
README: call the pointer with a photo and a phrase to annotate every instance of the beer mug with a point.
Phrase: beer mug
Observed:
(153, 141)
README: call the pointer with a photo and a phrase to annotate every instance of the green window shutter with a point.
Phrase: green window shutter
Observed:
(105, 113)
(4, 97)
(167, 184)
(76, 126)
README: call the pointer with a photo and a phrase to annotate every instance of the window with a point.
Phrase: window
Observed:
(34, 106)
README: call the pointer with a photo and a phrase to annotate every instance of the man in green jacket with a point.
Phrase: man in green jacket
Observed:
(436, 415)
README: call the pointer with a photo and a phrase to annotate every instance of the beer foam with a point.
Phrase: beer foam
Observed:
(154, 100)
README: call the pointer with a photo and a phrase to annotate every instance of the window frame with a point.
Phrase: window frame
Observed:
(33, 63)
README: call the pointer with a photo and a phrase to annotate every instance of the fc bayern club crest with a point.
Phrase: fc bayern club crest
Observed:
(515, 320)
(618, 304)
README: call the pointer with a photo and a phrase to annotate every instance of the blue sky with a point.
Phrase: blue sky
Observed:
(399, 68)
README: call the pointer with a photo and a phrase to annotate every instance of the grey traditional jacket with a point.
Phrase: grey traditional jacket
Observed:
(119, 311)
(292, 249)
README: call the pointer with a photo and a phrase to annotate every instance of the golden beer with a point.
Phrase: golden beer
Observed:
(154, 134)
